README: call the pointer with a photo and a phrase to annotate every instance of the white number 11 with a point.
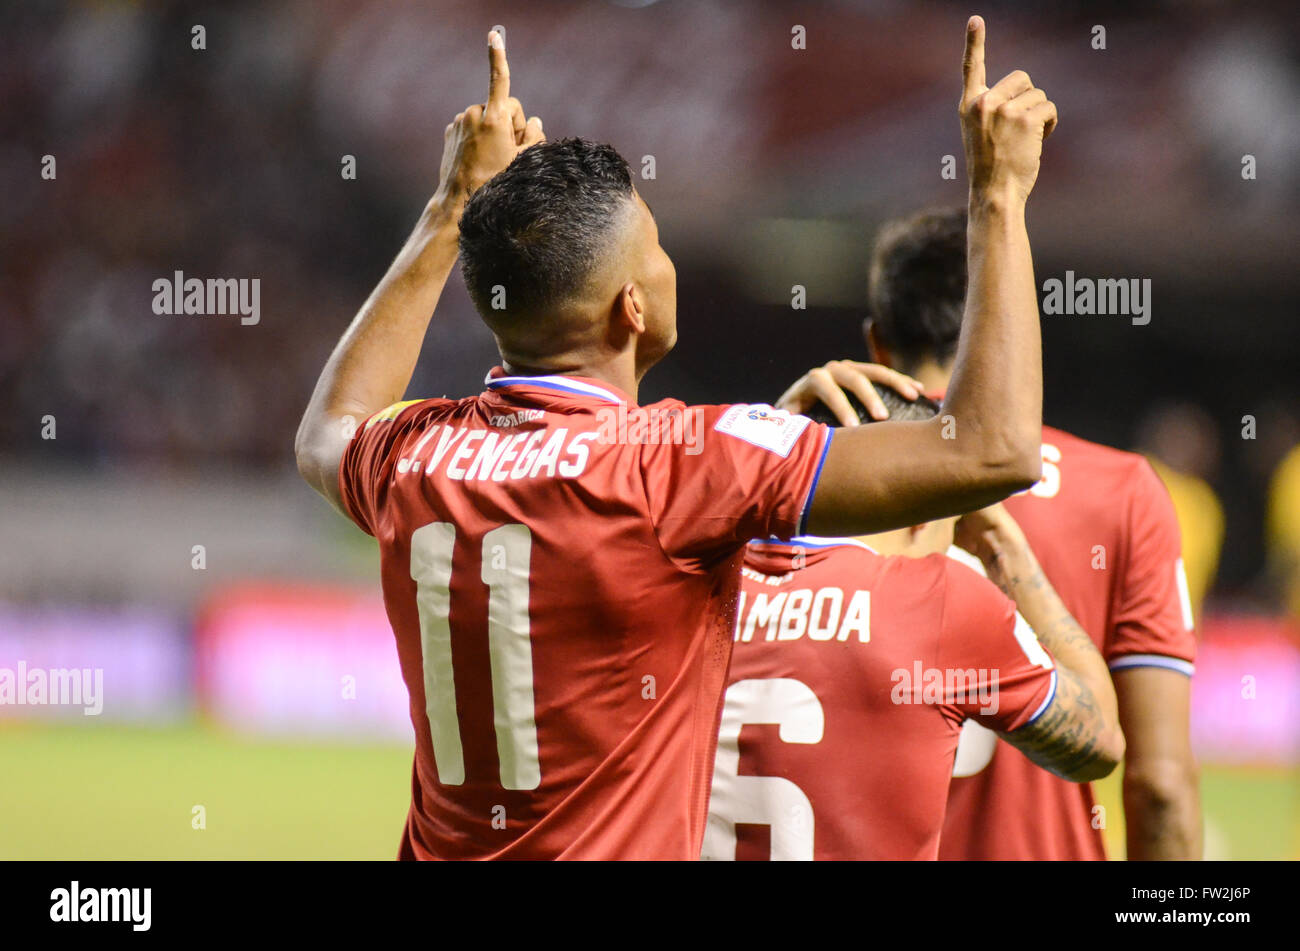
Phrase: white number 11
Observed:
(505, 567)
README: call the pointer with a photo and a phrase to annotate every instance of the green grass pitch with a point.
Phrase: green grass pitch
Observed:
(111, 792)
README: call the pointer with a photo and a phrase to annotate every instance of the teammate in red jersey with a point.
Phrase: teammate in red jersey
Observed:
(856, 662)
(1108, 538)
(560, 578)
(1105, 532)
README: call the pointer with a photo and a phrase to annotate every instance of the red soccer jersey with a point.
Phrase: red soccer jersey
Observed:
(851, 676)
(1104, 530)
(560, 570)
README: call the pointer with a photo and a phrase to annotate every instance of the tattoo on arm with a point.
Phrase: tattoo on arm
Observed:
(1064, 739)
(1068, 739)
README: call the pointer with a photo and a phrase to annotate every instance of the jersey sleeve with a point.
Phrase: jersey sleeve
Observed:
(1152, 622)
(985, 642)
(371, 455)
(750, 473)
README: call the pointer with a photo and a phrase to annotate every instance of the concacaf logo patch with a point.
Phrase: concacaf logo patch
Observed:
(764, 426)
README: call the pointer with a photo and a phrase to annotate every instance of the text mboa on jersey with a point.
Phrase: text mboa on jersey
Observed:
(819, 613)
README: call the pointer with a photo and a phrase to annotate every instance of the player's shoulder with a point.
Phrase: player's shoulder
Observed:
(730, 424)
(402, 418)
(950, 590)
(816, 555)
(1085, 452)
(668, 404)
(900, 585)
(966, 579)
(406, 410)
(728, 417)
(1106, 470)
(908, 577)
(963, 573)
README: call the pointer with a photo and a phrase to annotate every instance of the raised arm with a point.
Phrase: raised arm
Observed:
(985, 445)
(373, 362)
(1078, 736)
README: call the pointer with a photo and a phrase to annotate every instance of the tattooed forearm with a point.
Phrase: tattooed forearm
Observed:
(1062, 629)
(1077, 736)
(1065, 739)
(1023, 581)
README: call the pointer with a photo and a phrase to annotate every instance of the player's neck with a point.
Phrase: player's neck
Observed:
(934, 376)
(616, 373)
(888, 543)
(909, 542)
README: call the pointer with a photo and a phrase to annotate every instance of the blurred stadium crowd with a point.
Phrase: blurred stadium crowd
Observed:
(771, 167)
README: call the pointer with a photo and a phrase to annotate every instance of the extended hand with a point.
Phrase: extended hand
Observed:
(483, 140)
(1003, 128)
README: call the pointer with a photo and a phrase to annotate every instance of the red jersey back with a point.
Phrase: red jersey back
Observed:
(560, 570)
(1104, 531)
(851, 676)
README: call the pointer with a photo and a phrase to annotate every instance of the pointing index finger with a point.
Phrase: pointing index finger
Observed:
(499, 78)
(972, 64)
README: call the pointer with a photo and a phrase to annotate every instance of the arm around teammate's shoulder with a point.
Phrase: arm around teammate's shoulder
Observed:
(896, 474)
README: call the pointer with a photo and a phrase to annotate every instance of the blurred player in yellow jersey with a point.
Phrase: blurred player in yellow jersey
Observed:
(1284, 529)
(1180, 443)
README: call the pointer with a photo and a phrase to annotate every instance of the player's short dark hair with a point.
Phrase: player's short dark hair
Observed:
(538, 227)
(918, 285)
(900, 408)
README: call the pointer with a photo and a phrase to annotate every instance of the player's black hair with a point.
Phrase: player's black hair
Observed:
(538, 227)
(918, 286)
(900, 408)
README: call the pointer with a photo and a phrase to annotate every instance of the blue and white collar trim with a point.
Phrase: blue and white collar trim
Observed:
(816, 541)
(564, 384)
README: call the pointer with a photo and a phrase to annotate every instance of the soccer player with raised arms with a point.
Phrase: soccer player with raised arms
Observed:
(563, 604)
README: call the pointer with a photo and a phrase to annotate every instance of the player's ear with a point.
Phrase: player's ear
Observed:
(877, 351)
(629, 309)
